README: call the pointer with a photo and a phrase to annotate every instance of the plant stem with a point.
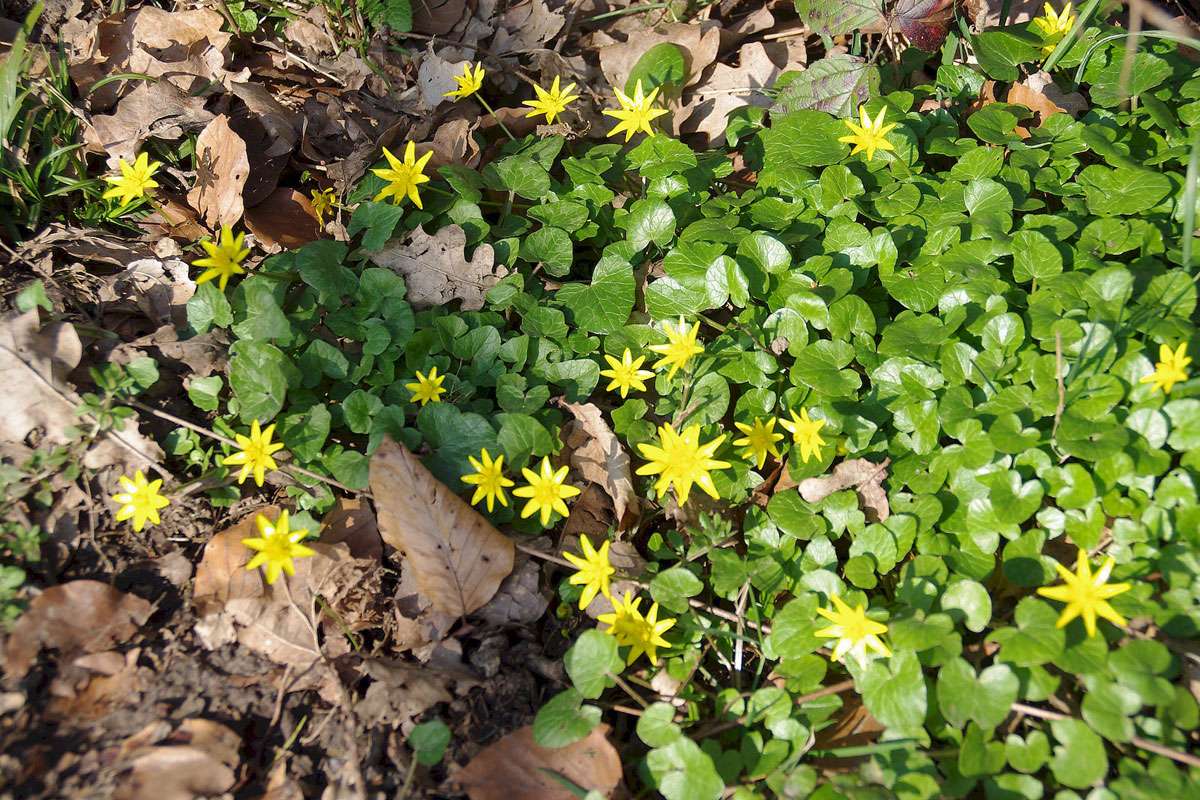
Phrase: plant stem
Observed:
(492, 111)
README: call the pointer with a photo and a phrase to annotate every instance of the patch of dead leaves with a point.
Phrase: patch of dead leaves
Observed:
(38, 360)
(197, 759)
(282, 620)
(73, 618)
(516, 767)
(597, 454)
(437, 271)
(865, 477)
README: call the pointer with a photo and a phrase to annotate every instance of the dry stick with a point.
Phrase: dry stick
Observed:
(225, 440)
(1136, 741)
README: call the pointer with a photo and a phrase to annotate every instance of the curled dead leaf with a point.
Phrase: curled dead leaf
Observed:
(284, 221)
(73, 618)
(457, 557)
(437, 271)
(196, 760)
(515, 768)
(352, 521)
(598, 455)
(865, 477)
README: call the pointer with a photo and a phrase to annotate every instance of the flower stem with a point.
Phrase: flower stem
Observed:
(499, 122)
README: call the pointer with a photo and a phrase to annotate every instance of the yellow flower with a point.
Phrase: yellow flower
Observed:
(488, 479)
(323, 202)
(403, 177)
(1054, 27)
(759, 440)
(427, 388)
(624, 620)
(593, 571)
(276, 546)
(546, 492)
(468, 83)
(551, 103)
(806, 433)
(680, 347)
(255, 455)
(871, 135)
(635, 113)
(224, 259)
(1086, 594)
(626, 373)
(134, 179)
(139, 500)
(853, 630)
(680, 461)
(1170, 369)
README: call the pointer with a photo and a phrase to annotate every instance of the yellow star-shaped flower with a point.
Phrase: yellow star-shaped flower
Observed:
(624, 620)
(224, 259)
(546, 492)
(551, 103)
(593, 571)
(427, 388)
(1054, 27)
(679, 461)
(403, 177)
(680, 347)
(139, 500)
(135, 179)
(1085, 594)
(805, 433)
(1170, 369)
(870, 136)
(323, 202)
(854, 631)
(468, 83)
(626, 374)
(647, 636)
(488, 479)
(255, 454)
(759, 440)
(276, 546)
(635, 113)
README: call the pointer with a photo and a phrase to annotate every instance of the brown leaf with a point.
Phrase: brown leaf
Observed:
(437, 16)
(73, 618)
(277, 620)
(111, 680)
(512, 768)
(458, 559)
(601, 459)
(202, 355)
(526, 26)
(400, 692)
(160, 110)
(437, 271)
(699, 42)
(728, 88)
(221, 171)
(284, 221)
(865, 477)
(1040, 95)
(353, 522)
(38, 361)
(197, 760)
(159, 289)
(519, 600)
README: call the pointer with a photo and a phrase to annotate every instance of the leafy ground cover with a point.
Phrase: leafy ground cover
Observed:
(846, 451)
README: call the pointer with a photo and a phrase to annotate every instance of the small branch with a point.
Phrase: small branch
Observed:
(1136, 741)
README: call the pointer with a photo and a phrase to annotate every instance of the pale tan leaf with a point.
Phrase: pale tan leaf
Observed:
(514, 768)
(195, 761)
(700, 43)
(400, 692)
(73, 618)
(437, 271)
(865, 477)
(457, 557)
(601, 459)
(222, 167)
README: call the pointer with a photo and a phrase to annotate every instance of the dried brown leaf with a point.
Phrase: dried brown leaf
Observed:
(457, 557)
(284, 221)
(197, 760)
(514, 767)
(437, 271)
(519, 600)
(437, 16)
(38, 361)
(727, 88)
(400, 692)
(526, 26)
(700, 43)
(73, 618)
(222, 167)
(159, 289)
(352, 521)
(601, 459)
(865, 477)
(160, 110)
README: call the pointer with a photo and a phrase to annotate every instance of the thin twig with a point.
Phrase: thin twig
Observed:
(1136, 741)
